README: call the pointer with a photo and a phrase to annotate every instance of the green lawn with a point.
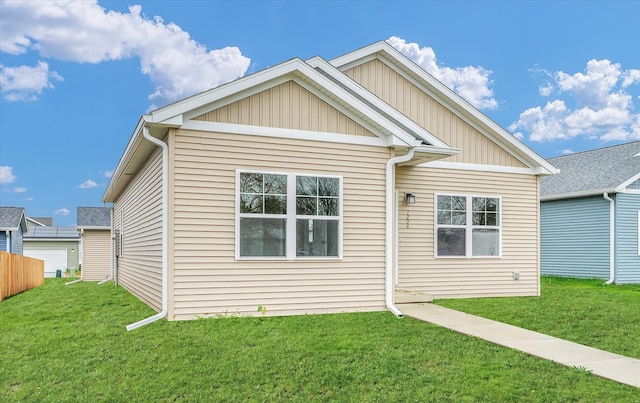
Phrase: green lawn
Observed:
(588, 312)
(70, 344)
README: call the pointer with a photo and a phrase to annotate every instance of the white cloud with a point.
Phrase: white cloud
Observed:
(566, 151)
(88, 184)
(470, 82)
(62, 211)
(6, 174)
(546, 90)
(603, 109)
(19, 189)
(25, 83)
(29, 199)
(83, 31)
(107, 173)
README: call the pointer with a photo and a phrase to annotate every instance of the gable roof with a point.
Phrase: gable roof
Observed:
(609, 169)
(447, 97)
(11, 218)
(52, 233)
(41, 221)
(94, 217)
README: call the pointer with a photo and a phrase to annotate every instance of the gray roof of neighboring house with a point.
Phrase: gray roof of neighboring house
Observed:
(94, 217)
(11, 218)
(592, 172)
(42, 220)
(49, 232)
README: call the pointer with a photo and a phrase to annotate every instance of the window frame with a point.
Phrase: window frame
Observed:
(291, 217)
(468, 226)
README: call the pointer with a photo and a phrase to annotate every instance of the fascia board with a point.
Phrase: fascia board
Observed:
(460, 106)
(36, 222)
(573, 195)
(621, 187)
(318, 62)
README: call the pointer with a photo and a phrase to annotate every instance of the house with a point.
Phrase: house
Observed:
(320, 187)
(590, 211)
(94, 225)
(57, 246)
(13, 226)
(39, 222)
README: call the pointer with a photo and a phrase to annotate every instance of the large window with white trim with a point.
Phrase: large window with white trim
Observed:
(288, 216)
(468, 226)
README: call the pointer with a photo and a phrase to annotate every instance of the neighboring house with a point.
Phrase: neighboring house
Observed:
(13, 226)
(94, 224)
(324, 186)
(57, 246)
(39, 222)
(591, 215)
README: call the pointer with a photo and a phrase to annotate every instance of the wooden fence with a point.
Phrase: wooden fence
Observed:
(19, 273)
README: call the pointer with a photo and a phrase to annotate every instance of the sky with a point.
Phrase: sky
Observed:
(75, 76)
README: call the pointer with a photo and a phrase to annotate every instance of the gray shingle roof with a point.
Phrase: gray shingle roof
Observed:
(49, 232)
(94, 217)
(602, 169)
(43, 220)
(11, 217)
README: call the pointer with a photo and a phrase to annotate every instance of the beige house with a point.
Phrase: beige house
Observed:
(324, 186)
(94, 225)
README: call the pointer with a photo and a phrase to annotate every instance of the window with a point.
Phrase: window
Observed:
(288, 215)
(467, 226)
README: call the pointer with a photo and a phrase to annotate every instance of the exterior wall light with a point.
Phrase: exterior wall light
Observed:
(410, 198)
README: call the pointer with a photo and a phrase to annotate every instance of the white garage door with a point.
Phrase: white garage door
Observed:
(54, 259)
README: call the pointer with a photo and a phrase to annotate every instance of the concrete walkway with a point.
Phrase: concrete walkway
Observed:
(604, 364)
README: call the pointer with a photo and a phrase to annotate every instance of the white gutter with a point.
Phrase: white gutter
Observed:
(389, 229)
(612, 237)
(165, 227)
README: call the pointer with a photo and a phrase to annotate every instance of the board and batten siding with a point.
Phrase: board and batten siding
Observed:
(426, 111)
(207, 278)
(627, 228)
(575, 237)
(137, 214)
(96, 254)
(420, 270)
(287, 106)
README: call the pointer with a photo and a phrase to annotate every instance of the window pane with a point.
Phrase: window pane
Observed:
(275, 204)
(451, 241)
(262, 236)
(275, 184)
(459, 218)
(250, 203)
(492, 204)
(479, 204)
(444, 202)
(306, 185)
(444, 217)
(328, 206)
(485, 242)
(328, 187)
(250, 183)
(492, 219)
(317, 238)
(307, 205)
(479, 219)
(459, 203)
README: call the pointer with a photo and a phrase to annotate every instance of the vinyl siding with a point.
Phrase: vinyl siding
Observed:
(3, 241)
(575, 237)
(627, 258)
(208, 280)
(138, 215)
(426, 111)
(287, 106)
(468, 277)
(96, 254)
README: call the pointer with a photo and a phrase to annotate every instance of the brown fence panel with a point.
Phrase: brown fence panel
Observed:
(19, 273)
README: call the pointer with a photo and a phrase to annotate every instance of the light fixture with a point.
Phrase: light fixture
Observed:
(410, 198)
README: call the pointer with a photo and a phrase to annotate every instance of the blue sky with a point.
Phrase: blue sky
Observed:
(563, 76)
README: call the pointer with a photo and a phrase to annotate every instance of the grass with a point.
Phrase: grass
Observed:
(588, 312)
(70, 344)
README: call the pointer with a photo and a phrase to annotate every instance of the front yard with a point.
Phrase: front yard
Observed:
(70, 344)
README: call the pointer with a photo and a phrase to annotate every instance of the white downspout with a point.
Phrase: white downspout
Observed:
(612, 237)
(165, 227)
(389, 229)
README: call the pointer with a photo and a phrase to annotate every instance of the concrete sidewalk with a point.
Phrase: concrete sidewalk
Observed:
(604, 364)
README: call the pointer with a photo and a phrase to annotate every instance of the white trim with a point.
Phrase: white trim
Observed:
(622, 187)
(573, 195)
(283, 133)
(480, 167)
(456, 104)
(291, 218)
(468, 227)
